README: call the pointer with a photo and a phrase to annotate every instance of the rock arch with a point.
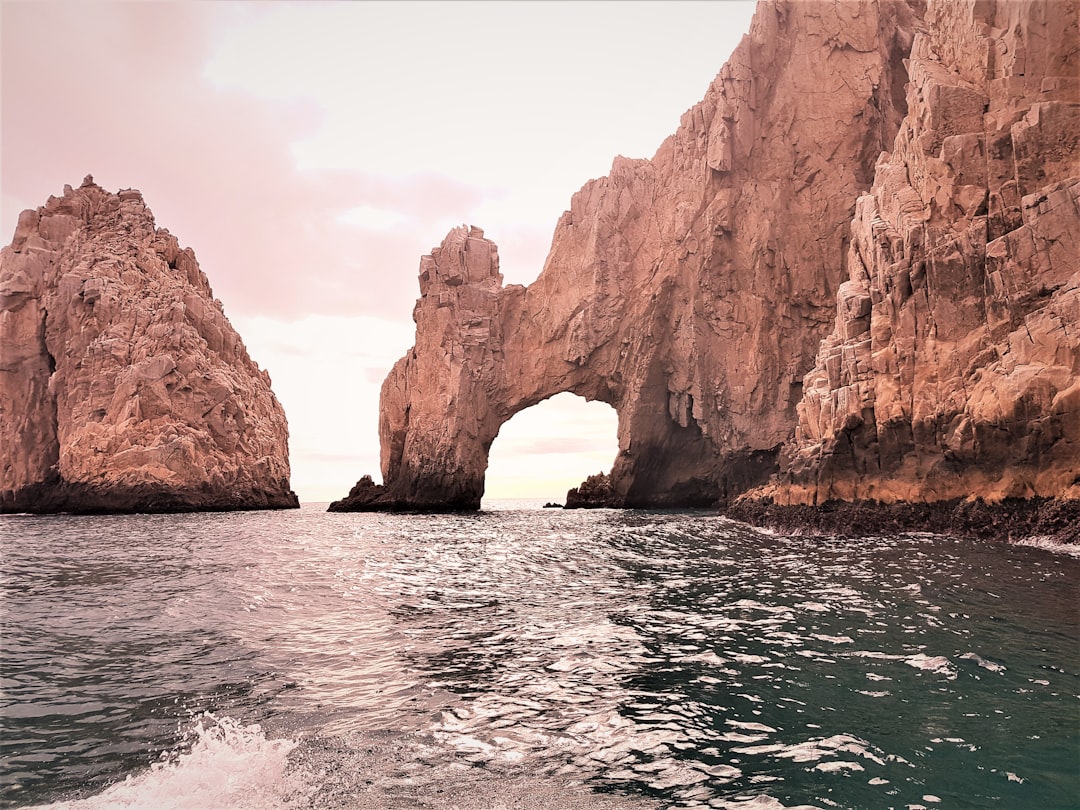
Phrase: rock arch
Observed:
(690, 291)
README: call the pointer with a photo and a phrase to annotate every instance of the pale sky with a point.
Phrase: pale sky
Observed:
(310, 153)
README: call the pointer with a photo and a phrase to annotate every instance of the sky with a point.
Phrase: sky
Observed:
(310, 153)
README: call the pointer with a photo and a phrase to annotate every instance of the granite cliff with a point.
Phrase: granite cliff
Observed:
(953, 366)
(123, 387)
(689, 291)
(850, 273)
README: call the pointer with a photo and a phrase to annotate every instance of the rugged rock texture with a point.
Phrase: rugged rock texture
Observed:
(594, 492)
(694, 292)
(953, 368)
(690, 291)
(122, 385)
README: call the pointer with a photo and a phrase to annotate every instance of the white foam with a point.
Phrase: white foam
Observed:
(751, 726)
(837, 766)
(1048, 544)
(229, 765)
(833, 639)
(938, 664)
(760, 802)
(993, 666)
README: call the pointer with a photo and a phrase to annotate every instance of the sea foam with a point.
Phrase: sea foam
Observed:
(221, 763)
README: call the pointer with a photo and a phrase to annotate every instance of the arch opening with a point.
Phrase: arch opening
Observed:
(551, 447)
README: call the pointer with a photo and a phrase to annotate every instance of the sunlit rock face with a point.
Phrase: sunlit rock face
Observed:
(851, 274)
(953, 367)
(689, 291)
(123, 387)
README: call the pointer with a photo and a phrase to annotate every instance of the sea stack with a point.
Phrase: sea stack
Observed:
(123, 387)
(849, 276)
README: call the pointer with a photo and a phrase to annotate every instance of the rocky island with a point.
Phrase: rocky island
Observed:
(123, 387)
(850, 276)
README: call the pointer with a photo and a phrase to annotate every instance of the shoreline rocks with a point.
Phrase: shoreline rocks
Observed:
(123, 387)
(1053, 519)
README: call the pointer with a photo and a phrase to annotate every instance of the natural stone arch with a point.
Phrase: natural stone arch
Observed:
(690, 291)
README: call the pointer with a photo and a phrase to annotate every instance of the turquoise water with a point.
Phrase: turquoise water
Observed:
(522, 657)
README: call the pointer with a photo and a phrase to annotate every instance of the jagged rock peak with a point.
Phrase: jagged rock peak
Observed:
(123, 387)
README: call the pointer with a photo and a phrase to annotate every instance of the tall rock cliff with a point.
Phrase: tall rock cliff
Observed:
(122, 385)
(689, 291)
(850, 275)
(953, 368)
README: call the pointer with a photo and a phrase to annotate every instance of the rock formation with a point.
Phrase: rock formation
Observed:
(122, 385)
(953, 367)
(594, 491)
(766, 271)
(689, 291)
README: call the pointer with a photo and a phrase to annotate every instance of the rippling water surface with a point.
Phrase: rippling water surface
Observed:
(529, 658)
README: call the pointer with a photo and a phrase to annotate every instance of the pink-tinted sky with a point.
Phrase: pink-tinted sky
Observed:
(311, 152)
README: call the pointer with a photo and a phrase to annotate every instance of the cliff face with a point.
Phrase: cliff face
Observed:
(122, 385)
(851, 274)
(689, 291)
(953, 368)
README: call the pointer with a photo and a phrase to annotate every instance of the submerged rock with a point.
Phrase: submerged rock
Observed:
(123, 387)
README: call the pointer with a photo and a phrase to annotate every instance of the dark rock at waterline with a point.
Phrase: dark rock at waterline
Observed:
(367, 496)
(54, 496)
(1010, 519)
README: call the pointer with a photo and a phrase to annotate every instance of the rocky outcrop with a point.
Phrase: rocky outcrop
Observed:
(851, 275)
(593, 493)
(123, 387)
(1053, 520)
(953, 368)
(690, 291)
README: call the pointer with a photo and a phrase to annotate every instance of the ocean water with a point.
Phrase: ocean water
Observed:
(529, 658)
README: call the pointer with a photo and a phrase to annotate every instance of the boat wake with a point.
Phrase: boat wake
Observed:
(220, 763)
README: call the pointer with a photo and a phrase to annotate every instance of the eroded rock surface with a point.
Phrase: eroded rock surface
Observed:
(953, 368)
(594, 492)
(836, 280)
(123, 387)
(689, 291)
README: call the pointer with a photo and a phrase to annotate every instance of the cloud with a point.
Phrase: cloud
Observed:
(368, 217)
(119, 91)
(326, 372)
(545, 450)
